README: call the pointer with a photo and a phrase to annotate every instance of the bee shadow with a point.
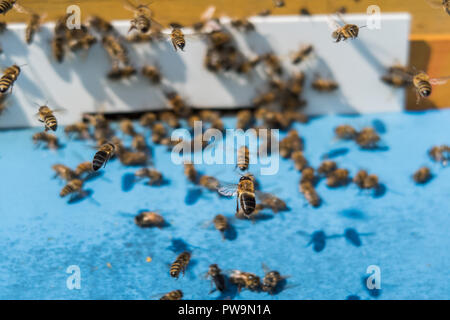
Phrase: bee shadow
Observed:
(334, 153)
(80, 197)
(128, 181)
(353, 297)
(230, 233)
(352, 213)
(230, 292)
(379, 126)
(192, 196)
(380, 191)
(94, 176)
(178, 245)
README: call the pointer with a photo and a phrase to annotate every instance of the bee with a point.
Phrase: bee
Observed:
(367, 138)
(272, 202)
(6, 5)
(299, 159)
(278, 3)
(345, 132)
(177, 104)
(147, 219)
(177, 38)
(243, 25)
(74, 186)
(304, 12)
(129, 158)
(440, 154)
(327, 167)
(245, 192)
(243, 158)
(345, 31)
(394, 76)
(190, 172)
(273, 64)
(101, 157)
(118, 73)
(338, 177)
(170, 118)
(159, 132)
(10, 75)
(57, 45)
(83, 167)
(209, 183)
(264, 99)
(308, 175)
(139, 144)
(173, 295)
(99, 24)
(46, 116)
(151, 73)
(142, 20)
(33, 25)
(292, 142)
(219, 39)
(422, 175)
(245, 280)
(265, 13)
(115, 49)
(147, 119)
(80, 129)
(271, 280)
(50, 139)
(64, 172)
(310, 193)
(216, 277)
(155, 177)
(365, 181)
(444, 4)
(218, 124)
(244, 119)
(180, 264)
(300, 55)
(324, 85)
(127, 127)
(221, 224)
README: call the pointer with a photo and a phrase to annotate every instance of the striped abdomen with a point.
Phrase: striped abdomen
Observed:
(71, 187)
(6, 5)
(178, 42)
(180, 264)
(5, 83)
(248, 203)
(100, 159)
(143, 23)
(243, 158)
(220, 223)
(173, 295)
(50, 122)
(424, 88)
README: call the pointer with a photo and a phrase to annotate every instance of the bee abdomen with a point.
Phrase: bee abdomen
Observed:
(180, 42)
(50, 122)
(175, 269)
(5, 6)
(5, 83)
(67, 190)
(424, 88)
(99, 159)
(248, 203)
(143, 24)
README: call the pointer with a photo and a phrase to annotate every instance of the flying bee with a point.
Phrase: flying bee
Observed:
(221, 224)
(177, 37)
(99, 24)
(338, 177)
(129, 158)
(80, 129)
(190, 172)
(173, 295)
(244, 119)
(209, 182)
(50, 139)
(151, 73)
(327, 167)
(440, 154)
(118, 73)
(278, 3)
(444, 4)
(300, 55)
(147, 119)
(101, 157)
(271, 280)
(6, 5)
(245, 191)
(74, 187)
(64, 172)
(10, 76)
(148, 219)
(142, 20)
(345, 132)
(299, 159)
(155, 177)
(310, 193)
(217, 278)
(46, 116)
(268, 200)
(324, 85)
(245, 280)
(367, 138)
(180, 264)
(395, 76)
(422, 175)
(345, 30)
(33, 25)
(83, 167)
(243, 158)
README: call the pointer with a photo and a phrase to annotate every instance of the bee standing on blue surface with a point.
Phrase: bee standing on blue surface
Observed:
(173, 295)
(180, 264)
(217, 278)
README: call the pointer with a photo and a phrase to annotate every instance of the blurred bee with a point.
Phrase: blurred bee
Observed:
(310, 193)
(299, 159)
(324, 85)
(345, 132)
(444, 4)
(365, 181)
(118, 73)
(209, 183)
(155, 177)
(148, 219)
(345, 31)
(278, 3)
(338, 177)
(218, 124)
(300, 55)
(73, 187)
(304, 12)
(326, 168)
(83, 167)
(143, 20)
(219, 39)
(245, 280)
(173, 295)
(271, 280)
(177, 38)
(50, 139)
(6, 5)
(159, 132)
(216, 277)
(129, 158)
(264, 99)
(151, 73)
(99, 24)
(64, 172)
(139, 144)
(245, 191)
(272, 202)
(394, 76)
(244, 119)
(243, 25)
(115, 49)
(190, 172)
(243, 158)
(147, 119)
(170, 118)
(177, 104)
(101, 157)
(80, 129)
(421, 176)
(57, 45)
(33, 25)
(221, 224)
(367, 138)
(265, 13)
(308, 175)
(292, 142)
(10, 76)
(273, 64)
(180, 264)
(440, 154)
(46, 116)
(127, 127)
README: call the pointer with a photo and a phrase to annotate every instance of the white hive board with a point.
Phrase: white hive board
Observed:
(79, 84)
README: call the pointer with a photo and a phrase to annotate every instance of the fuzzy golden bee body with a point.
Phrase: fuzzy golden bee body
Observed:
(64, 172)
(326, 167)
(348, 31)
(152, 73)
(299, 159)
(221, 224)
(422, 175)
(48, 118)
(74, 186)
(310, 193)
(80, 129)
(50, 139)
(101, 157)
(338, 177)
(180, 264)
(245, 280)
(147, 219)
(243, 158)
(365, 181)
(209, 182)
(345, 132)
(8, 78)
(155, 177)
(367, 138)
(173, 295)
(324, 85)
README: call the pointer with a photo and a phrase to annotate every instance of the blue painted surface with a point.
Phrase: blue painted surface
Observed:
(404, 231)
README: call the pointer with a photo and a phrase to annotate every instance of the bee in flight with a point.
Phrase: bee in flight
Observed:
(101, 157)
(243, 158)
(245, 191)
(142, 20)
(444, 4)
(10, 76)
(74, 187)
(344, 31)
(180, 264)
(177, 37)
(34, 23)
(6, 5)
(46, 116)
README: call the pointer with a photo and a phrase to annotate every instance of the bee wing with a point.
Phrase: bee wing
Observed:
(127, 4)
(208, 13)
(263, 195)
(438, 81)
(436, 4)
(332, 23)
(228, 189)
(22, 9)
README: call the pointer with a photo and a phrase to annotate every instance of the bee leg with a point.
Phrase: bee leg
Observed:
(174, 45)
